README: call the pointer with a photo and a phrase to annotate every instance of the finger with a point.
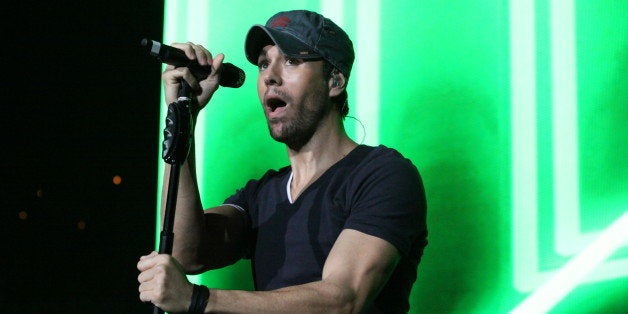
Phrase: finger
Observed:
(190, 78)
(153, 253)
(148, 262)
(172, 77)
(188, 48)
(147, 275)
(146, 292)
(153, 277)
(217, 65)
(203, 56)
(196, 52)
(146, 287)
(153, 290)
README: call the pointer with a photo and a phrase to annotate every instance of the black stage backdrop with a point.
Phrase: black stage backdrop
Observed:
(80, 105)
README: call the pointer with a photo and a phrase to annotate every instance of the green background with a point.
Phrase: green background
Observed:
(444, 78)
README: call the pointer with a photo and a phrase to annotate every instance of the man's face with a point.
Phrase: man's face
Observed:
(294, 96)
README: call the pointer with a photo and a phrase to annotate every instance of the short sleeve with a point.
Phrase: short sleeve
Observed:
(389, 202)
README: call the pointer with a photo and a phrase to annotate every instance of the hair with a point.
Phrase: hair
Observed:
(341, 101)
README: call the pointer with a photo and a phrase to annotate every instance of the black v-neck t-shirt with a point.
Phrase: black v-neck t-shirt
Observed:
(374, 190)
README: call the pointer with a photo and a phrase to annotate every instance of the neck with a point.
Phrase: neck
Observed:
(328, 145)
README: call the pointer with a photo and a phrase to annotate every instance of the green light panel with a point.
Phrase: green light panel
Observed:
(514, 111)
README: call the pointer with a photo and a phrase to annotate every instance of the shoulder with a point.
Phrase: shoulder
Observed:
(383, 161)
(384, 153)
(388, 198)
(270, 175)
(253, 187)
(384, 173)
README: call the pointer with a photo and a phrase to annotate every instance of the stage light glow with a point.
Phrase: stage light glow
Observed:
(367, 68)
(545, 297)
(512, 110)
(523, 138)
(565, 127)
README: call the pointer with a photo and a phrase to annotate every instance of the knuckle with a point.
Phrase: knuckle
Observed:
(160, 270)
(165, 258)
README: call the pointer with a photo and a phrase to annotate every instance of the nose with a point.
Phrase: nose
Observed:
(272, 74)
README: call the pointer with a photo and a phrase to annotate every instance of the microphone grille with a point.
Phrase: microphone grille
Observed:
(231, 76)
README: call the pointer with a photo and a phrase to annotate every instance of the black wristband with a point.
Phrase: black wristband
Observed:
(200, 296)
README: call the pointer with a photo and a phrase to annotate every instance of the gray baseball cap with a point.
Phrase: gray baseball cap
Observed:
(305, 35)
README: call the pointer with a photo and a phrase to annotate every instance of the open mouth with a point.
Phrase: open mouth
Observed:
(274, 103)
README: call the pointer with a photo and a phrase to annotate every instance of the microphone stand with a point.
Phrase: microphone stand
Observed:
(178, 135)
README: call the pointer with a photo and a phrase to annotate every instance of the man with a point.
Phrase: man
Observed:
(342, 229)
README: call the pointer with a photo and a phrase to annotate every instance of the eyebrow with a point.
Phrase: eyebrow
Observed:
(263, 55)
(263, 51)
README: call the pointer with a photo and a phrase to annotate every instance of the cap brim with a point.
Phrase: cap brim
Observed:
(260, 36)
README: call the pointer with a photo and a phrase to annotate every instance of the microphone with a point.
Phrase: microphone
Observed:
(231, 75)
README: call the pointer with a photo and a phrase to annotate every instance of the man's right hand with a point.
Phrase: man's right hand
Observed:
(203, 90)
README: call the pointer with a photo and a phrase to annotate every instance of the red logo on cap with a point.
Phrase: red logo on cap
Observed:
(280, 21)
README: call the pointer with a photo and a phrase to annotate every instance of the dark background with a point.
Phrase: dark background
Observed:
(80, 105)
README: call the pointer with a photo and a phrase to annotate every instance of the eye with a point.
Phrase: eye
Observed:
(293, 61)
(262, 64)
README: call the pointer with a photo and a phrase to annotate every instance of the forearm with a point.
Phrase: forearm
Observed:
(189, 233)
(315, 297)
(354, 273)
(203, 239)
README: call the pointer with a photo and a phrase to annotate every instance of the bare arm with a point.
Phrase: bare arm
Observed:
(201, 241)
(356, 269)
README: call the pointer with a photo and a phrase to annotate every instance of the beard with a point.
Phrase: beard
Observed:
(297, 129)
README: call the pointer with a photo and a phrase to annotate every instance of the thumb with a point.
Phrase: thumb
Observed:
(153, 253)
(145, 261)
(217, 65)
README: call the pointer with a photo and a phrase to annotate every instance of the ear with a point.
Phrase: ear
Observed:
(337, 83)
